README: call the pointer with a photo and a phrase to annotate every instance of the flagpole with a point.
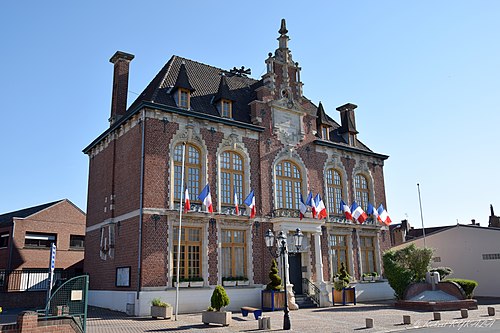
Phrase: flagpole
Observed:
(421, 214)
(180, 233)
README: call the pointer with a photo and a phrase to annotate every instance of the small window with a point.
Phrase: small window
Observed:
(39, 240)
(491, 256)
(4, 240)
(324, 133)
(77, 242)
(184, 96)
(227, 108)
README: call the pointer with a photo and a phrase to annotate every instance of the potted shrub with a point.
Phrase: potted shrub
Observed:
(229, 281)
(367, 277)
(214, 315)
(242, 281)
(160, 309)
(273, 298)
(196, 282)
(341, 291)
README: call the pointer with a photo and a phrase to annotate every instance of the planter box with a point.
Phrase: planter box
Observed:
(229, 283)
(344, 296)
(243, 282)
(196, 284)
(272, 300)
(182, 284)
(216, 317)
(368, 278)
(162, 312)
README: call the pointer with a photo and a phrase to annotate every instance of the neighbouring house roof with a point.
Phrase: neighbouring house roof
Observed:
(7, 218)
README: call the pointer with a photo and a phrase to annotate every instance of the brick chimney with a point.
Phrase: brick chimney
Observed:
(348, 123)
(121, 60)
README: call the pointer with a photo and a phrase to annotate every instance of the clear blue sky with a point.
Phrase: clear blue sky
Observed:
(424, 74)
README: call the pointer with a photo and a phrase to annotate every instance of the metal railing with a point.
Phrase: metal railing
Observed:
(29, 279)
(311, 290)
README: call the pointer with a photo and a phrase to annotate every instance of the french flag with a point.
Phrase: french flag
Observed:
(358, 213)
(383, 217)
(236, 209)
(187, 203)
(206, 198)
(346, 209)
(372, 211)
(302, 207)
(320, 207)
(310, 202)
(250, 202)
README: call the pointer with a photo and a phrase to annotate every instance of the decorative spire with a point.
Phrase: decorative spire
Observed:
(322, 118)
(283, 30)
(223, 92)
(283, 39)
(183, 79)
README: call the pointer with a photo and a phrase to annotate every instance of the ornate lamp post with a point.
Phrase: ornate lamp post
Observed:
(281, 243)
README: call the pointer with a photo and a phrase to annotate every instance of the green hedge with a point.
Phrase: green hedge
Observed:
(467, 285)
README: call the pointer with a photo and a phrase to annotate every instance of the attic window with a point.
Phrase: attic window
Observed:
(226, 108)
(324, 133)
(184, 98)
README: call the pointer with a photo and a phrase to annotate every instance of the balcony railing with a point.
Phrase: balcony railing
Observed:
(29, 280)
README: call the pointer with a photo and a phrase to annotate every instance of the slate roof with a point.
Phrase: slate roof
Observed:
(7, 218)
(205, 81)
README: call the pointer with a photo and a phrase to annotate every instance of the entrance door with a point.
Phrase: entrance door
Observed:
(295, 263)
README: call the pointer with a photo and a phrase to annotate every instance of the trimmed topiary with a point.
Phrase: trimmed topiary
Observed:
(219, 298)
(275, 283)
(343, 278)
(467, 285)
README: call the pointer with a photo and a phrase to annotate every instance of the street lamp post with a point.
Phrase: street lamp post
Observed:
(281, 243)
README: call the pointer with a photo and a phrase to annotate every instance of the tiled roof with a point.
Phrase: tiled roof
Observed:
(205, 81)
(7, 218)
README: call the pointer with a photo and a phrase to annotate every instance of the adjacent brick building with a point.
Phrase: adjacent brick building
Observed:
(240, 134)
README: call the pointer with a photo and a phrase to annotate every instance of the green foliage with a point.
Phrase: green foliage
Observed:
(158, 302)
(211, 309)
(342, 278)
(397, 274)
(219, 298)
(275, 283)
(417, 260)
(467, 285)
(443, 272)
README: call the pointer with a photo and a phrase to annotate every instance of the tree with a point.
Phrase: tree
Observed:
(219, 298)
(275, 283)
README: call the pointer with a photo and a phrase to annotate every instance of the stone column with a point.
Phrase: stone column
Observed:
(320, 283)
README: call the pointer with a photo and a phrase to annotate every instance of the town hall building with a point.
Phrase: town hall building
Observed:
(239, 134)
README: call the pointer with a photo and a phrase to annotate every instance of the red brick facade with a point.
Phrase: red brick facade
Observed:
(115, 191)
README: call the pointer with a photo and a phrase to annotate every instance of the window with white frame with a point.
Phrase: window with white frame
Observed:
(192, 171)
(288, 185)
(39, 240)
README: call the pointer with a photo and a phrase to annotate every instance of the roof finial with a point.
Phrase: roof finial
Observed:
(283, 30)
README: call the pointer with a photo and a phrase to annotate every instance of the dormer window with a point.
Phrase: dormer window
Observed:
(184, 98)
(226, 108)
(324, 133)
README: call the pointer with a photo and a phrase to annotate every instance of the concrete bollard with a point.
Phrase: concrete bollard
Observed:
(437, 315)
(406, 320)
(491, 311)
(369, 322)
(264, 323)
(464, 313)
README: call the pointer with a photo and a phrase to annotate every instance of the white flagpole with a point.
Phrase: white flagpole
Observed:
(421, 214)
(180, 232)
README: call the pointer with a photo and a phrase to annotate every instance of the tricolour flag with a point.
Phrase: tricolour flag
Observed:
(311, 203)
(236, 209)
(372, 211)
(250, 202)
(206, 198)
(383, 217)
(320, 207)
(302, 207)
(358, 213)
(187, 203)
(346, 209)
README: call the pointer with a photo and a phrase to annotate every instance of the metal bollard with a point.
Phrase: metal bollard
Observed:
(406, 320)
(464, 313)
(491, 311)
(369, 322)
(437, 315)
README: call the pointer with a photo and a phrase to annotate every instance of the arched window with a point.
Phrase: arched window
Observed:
(334, 188)
(288, 185)
(192, 171)
(231, 177)
(361, 191)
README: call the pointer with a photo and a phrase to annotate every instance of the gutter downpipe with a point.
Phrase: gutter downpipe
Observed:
(141, 207)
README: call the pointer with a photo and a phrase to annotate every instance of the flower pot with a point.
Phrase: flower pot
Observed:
(243, 282)
(162, 312)
(216, 317)
(182, 284)
(196, 284)
(229, 283)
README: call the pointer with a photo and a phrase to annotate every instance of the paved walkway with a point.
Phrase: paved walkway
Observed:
(349, 318)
